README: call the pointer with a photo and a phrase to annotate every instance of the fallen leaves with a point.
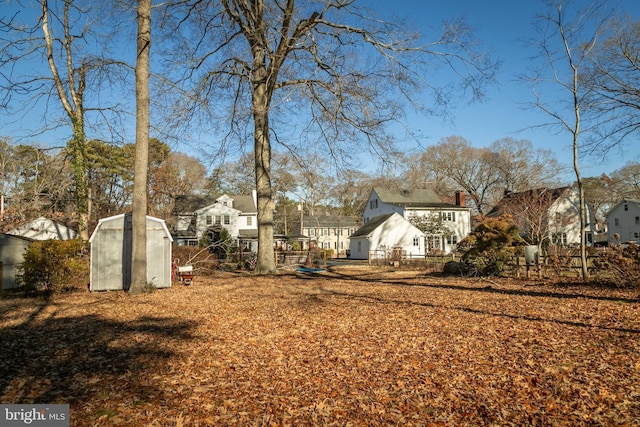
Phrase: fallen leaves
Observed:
(345, 347)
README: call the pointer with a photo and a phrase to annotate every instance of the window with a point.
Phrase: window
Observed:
(325, 231)
(416, 241)
(448, 216)
(227, 220)
(452, 240)
(637, 220)
(626, 207)
(208, 219)
(311, 232)
(249, 221)
(218, 219)
(616, 221)
(559, 239)
(359, 246)
(373, 203)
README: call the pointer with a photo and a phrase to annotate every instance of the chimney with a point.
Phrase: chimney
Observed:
(460, 199)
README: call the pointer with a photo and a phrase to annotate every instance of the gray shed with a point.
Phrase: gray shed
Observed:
(111, 253)
(12, 249)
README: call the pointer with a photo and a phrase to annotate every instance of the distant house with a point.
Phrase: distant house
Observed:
(623, 221)
(196, 217)
(547, 214)
(326, 232)
(12, 250)
(455, 218)
(385, 234)
(44, 229)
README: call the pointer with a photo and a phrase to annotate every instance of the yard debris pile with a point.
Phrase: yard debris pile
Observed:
(343, 347)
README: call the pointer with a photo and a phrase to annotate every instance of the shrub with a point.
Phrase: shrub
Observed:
(490, 247)
(622, 263)
(55, 266)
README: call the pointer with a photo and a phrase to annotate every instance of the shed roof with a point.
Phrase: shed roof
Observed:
(422, 197)
(121, 217)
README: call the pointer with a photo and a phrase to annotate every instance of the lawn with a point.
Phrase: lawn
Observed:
(348, 346)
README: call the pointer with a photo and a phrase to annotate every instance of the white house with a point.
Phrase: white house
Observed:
(326, 232)
(385, 234)
(623, 221)
(455, 218)
(198, 216)
(548, 213)
(44, 229)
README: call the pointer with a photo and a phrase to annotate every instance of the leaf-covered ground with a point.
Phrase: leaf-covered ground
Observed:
(345, 347)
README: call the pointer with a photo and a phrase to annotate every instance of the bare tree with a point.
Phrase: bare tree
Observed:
(568, 36)
(139, 211)
(303, 72)
(467, 167)
(75, 69)
(522, 167)
(612, 73)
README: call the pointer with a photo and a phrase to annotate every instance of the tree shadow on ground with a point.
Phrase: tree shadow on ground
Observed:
(58, 358)
(319, 278)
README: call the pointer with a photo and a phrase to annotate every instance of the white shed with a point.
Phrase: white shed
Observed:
(111, 253)
(384, 234)
(12, 250)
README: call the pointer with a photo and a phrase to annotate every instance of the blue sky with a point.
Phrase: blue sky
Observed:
(503, 25)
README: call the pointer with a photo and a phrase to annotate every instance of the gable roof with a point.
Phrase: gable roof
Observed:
(418, 198)
(373, 223)
(327, 221)
(244, 204)
(188, 204)
(623, 201)
(512, 200)
(44, 229)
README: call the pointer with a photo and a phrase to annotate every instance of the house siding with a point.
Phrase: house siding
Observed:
(622, 221)
(243, 219)
(394, 232)
(407, 204)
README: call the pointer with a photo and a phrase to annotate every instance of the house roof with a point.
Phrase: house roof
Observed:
(43, 229)
(418, 198)
(188, 204)
(244, 203)
(328, 221)
(625, 200)
(517, 200)
(371, 225)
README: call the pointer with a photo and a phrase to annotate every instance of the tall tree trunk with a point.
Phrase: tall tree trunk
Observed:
(72, 103)
(139, 212)
(582, 208)
(266, 262)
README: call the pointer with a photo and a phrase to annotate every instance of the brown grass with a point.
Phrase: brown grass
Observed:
(365, 346)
